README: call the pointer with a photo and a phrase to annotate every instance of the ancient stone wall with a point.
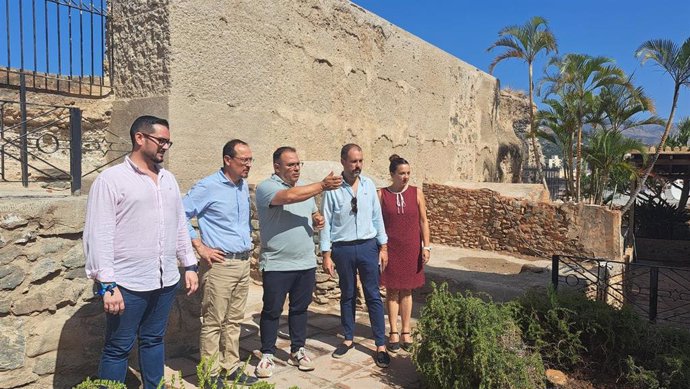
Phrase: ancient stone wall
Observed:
(483, 219)
(311, 74)
(51, 326)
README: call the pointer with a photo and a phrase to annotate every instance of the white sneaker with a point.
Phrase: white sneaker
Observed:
(265, 367)
(301, 360)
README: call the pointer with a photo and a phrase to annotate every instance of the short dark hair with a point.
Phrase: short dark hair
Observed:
(346, 149)
(144, 124)
(279, 152)
(396, 161)
(229, 148)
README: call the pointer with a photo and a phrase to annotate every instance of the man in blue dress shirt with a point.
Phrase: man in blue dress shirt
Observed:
(220, 202)
(354, 238)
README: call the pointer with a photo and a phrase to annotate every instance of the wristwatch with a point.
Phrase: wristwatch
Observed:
(426, 248)
(194, 268)
(105, 287)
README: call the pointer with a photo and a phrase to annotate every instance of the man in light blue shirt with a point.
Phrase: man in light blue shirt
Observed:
(354, 238)
(288, 217)
(220, 202)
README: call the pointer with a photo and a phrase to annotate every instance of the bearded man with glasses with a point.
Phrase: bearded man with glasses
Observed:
(134, 235)
(220, 203)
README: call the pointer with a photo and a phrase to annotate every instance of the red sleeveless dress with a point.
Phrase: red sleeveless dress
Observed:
(401, 218)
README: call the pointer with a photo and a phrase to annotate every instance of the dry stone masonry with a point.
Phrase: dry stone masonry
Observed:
(483, 219)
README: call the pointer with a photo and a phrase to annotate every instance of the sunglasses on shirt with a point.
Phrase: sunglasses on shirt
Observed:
(353, 204)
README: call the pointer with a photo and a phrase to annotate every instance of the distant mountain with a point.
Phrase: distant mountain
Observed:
(650, 134)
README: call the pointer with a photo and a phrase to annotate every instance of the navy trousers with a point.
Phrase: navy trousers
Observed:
(299, 284)
(363, 258)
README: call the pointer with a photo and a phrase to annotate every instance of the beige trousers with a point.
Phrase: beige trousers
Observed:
(225, 286)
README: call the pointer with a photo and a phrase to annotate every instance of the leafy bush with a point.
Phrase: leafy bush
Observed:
(464, 342)
(570, 330)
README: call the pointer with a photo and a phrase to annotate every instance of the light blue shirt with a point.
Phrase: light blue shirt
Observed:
(343, 225)
(287, 235)
(222, 210)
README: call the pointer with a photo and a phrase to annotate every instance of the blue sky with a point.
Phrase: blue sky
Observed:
(611, 28)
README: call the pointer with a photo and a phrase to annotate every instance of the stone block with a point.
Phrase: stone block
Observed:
(12, 343)
(17, 378)
(12, 221)
(11, 276)
(74, 257)
(44, 269)
(48, 297)
(45, 364)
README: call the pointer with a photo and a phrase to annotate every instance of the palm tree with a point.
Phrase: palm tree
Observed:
(525, 42)
(580, 77)
(557, 125)
(675, 60)
(605, 154)
(619, 107)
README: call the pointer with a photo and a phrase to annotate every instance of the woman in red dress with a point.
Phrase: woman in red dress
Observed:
(407, 227)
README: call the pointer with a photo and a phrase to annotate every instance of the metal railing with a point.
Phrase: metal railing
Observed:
(554, 182)
(61, 45)
(660, 293)
(45, 143)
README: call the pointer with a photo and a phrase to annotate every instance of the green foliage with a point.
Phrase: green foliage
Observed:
(203, 372)
(571, 330)
(465, 342)
(658, 219)
(98, 384)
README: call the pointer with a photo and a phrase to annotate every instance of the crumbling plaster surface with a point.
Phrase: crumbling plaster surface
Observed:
(315, 75)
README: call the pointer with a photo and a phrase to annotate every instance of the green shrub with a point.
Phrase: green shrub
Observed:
(465, 342)
(570, 330)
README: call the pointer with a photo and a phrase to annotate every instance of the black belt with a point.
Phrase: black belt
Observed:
(351, 242)
(243, 256)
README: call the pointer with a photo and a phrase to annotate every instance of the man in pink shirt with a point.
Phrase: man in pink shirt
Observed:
(135, 233)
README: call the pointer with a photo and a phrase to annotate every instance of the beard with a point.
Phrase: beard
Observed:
(356, 172)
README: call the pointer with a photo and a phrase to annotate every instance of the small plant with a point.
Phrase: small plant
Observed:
(99, 384)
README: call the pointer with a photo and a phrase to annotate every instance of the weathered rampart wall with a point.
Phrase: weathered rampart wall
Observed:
(484, 219)
(312, 74)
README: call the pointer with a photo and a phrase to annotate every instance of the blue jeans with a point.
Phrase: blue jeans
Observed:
(277, 284)
(349, 259)
(146, 316)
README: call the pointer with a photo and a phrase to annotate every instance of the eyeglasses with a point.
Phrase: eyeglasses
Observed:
(161, 142)
(244, 161)
(293, 165)
(353, 204)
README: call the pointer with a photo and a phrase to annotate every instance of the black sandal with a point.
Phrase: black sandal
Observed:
(407, 346)
(393, 347)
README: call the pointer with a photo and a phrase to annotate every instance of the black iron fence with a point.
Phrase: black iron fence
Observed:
(556, 184)
(660, 293)
(45, 143)
(60, 45)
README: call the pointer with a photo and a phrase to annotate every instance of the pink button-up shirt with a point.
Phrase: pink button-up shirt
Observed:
(136, 229)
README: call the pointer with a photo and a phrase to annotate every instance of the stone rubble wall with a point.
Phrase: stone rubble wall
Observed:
(483, 219)
(51, 325)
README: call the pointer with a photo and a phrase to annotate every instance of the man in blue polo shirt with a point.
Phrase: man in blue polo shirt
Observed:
(354, 238)
(220, 202)
(287, 218)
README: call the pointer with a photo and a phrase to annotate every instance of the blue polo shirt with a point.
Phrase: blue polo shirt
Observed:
(222, 210)
(287, 235)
